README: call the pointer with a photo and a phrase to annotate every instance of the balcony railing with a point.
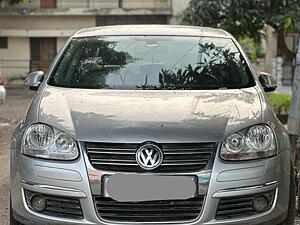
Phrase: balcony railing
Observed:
(96, 4)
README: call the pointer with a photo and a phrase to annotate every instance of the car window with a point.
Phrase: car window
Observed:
(151, 62)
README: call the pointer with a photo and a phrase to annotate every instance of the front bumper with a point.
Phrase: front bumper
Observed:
(81, 181)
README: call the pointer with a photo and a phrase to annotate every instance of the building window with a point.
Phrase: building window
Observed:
(136, 19)
(3, 42)
(42, 52)
(48, 4)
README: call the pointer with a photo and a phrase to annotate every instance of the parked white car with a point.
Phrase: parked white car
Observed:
(2, 90)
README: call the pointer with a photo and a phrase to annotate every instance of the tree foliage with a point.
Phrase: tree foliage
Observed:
(11, 2)
(246, 17)
(252, 49)
(219, 67)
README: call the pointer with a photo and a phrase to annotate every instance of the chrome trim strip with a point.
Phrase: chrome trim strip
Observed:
(245, 190)
(49, 189)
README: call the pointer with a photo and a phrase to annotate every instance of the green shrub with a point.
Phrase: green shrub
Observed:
(251, 48)
(280, 102)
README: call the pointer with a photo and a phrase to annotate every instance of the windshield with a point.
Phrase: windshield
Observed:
(151, 63)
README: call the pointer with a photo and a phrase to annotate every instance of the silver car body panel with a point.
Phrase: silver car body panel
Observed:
(117, 116)
(159, 116)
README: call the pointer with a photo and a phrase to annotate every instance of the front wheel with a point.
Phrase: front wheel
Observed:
(289, 220)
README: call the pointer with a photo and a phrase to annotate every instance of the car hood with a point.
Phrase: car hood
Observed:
(137, 116)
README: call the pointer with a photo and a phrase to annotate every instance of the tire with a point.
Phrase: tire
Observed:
(13, 221)
(289, 220)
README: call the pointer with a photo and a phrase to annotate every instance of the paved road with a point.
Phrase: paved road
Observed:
(10, 114)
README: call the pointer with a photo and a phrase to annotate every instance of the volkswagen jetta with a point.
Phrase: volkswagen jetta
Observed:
(151, 125)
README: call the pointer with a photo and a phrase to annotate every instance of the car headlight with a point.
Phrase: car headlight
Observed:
(255, 142)
(43, 141)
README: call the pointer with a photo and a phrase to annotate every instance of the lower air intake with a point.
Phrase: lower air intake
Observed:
(243, 206)
(149, 211)
(57, 206)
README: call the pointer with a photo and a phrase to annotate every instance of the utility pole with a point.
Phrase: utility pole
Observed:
(294, 116)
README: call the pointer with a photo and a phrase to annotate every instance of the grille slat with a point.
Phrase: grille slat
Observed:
(151, 215)
(113, 163)
(185, 164)
(63, 210)
(238, 205)
(241, 206)
(182, 157)
(112, 160)
(186, 153)
(235, 211)
(110, 152)
(169, 150)
(186, 160)
(236, 200)
(149, 211)
(158, 209)
(179, 203)
(111, 149)
(62, 205)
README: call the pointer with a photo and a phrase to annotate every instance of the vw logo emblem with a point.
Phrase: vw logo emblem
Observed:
(149, 156)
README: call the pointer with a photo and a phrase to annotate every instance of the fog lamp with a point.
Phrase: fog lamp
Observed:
(260, 203)
(38, 203)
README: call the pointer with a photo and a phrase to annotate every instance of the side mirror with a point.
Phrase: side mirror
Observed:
(268, 82)
(34, 80)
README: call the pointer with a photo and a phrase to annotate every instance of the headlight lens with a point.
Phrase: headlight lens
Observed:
(256, 142)
(43, 141)
(235, 143)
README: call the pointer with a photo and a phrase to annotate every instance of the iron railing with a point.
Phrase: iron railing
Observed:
(98, 4)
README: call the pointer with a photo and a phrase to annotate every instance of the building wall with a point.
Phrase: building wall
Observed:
(178, 6)
(46, 22)
(15, 59)
(26, 20)
(139, 4)
(60, 42)
(88, 4)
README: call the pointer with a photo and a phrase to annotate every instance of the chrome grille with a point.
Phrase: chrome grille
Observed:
(241, 206)
(186, 157)
(149, 211)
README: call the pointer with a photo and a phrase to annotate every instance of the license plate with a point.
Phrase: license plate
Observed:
(135, 187)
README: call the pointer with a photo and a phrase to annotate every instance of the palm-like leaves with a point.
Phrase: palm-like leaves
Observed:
(218, 66)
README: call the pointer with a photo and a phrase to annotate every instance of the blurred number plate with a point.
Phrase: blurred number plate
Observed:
(134, 187)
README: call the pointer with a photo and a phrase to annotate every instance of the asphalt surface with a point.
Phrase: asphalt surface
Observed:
(11, 112)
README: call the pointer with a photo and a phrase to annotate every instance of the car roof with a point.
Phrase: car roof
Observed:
(167, 30)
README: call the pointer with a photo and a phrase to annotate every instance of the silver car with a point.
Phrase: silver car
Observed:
(151, 125)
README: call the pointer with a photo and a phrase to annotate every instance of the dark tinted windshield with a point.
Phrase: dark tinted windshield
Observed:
(151, 62)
